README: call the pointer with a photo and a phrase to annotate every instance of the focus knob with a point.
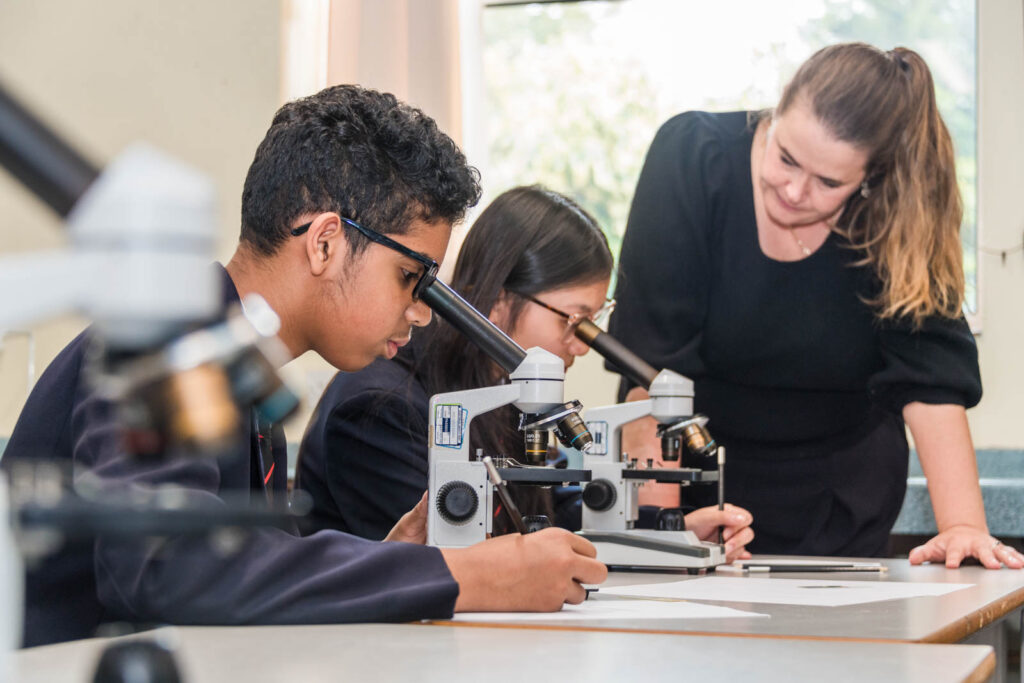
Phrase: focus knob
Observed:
(599, 495)
(670, 519)
(536, 522)
(456, 502)
(137, 660)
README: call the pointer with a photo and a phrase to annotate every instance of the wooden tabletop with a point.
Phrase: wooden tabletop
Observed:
(943, 619)
(373, 652)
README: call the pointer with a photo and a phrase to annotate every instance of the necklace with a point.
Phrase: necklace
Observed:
(803, 247)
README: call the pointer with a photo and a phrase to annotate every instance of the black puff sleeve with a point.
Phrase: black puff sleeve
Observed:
(937, 363)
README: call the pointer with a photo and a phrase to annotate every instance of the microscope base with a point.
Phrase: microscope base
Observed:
(648, 548)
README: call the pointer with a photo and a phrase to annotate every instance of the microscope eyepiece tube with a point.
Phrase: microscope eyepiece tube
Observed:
(611, 349)
(447, 303)
(47, 165)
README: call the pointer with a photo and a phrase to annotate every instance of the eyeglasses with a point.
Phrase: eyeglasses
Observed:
(573, 320)
(430, 266)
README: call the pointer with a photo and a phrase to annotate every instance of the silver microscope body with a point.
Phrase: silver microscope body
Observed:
(460, 492)
(611, 498)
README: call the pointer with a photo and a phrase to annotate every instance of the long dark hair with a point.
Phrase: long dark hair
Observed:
(529, 240)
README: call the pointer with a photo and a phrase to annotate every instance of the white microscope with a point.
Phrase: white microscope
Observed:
(610, 499)
(461, 495)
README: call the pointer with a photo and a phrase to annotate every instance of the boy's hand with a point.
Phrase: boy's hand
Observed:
(538, 572)
(412, 527)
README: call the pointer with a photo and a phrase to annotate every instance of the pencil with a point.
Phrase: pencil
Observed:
(721, 489)
(506, 499)
(800, 568)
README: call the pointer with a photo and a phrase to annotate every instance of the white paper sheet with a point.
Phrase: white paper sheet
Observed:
(814, 592)
(595, 609)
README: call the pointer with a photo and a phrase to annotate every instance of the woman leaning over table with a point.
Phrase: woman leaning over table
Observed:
(803, 266)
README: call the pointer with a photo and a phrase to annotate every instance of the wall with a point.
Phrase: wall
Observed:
(197, 78)
(406, 47)
(996, 421)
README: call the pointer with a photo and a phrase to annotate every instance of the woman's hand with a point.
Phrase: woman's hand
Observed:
(943, 441)
(957, 543)
(737, 534)
(412, 527)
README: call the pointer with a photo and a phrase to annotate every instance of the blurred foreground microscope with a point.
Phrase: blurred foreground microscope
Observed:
(181, 377)
(610, 499)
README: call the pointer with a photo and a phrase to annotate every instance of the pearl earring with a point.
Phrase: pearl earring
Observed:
(865, 191)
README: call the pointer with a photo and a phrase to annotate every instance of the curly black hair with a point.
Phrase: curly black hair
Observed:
(360, 153)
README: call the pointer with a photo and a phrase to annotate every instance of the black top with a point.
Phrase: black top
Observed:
(779, 351)
(788, 362)
(364, 456)
(273, 577)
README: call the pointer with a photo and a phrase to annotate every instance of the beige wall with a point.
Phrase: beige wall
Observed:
(197, 78)
(996, 422)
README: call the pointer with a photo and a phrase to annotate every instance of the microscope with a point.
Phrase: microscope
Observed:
(460, 492)
(610, 499)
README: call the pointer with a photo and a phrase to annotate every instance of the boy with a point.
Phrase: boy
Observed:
(345, 183)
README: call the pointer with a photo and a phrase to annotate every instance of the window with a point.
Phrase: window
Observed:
(576, 90)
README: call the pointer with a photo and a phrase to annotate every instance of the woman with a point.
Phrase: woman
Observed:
(813, 292)
(364, 456)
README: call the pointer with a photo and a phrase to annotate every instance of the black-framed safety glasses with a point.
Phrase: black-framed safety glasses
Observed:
(572, 320)
(430, 266)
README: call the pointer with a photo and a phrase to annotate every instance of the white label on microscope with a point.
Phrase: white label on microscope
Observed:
(449, 424)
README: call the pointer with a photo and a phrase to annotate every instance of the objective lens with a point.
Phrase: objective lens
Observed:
(698, 440)
(536, 446)
(572, 431)
(671, 447)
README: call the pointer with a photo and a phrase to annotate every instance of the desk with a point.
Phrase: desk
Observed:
(945, 619)
(971, 613)
(424, 654)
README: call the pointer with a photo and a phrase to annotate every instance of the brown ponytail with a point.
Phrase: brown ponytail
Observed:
(907, 218)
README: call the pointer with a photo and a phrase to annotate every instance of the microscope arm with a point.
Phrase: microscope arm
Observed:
(450, 440)
(33, 287)
(608, 421)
